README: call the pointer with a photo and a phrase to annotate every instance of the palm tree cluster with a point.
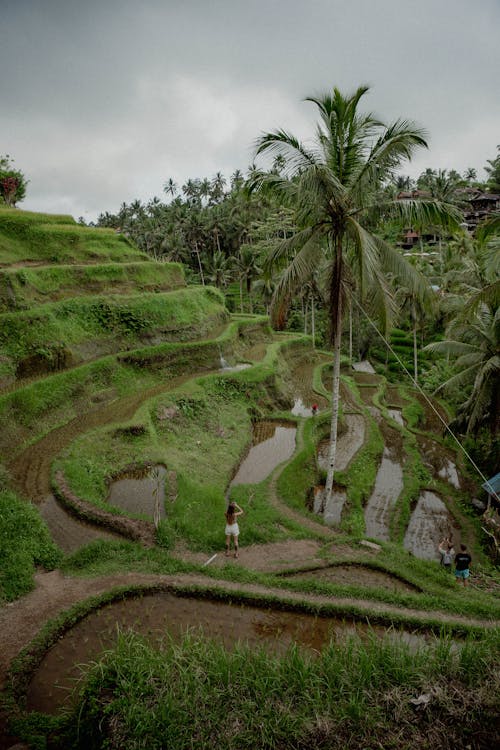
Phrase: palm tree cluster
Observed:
(314, 238)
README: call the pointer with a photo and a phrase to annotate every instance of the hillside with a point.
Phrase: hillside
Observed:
(133, 407)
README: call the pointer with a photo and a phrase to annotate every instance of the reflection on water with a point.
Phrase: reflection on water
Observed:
(397, 416)
(67, 532)
(388, 485)
(273, 443)
(430, 522)
(157, 614)
(449, 473)
(300, 409)
(138, 490)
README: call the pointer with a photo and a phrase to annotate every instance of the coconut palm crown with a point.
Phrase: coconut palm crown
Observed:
(334, 185)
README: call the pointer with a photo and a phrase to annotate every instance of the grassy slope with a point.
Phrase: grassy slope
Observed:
(23, 288)
(44, 330)
(30, 237)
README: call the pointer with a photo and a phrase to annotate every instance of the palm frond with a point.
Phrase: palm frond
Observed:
(489, 296)
(396, 144)
(451, 347)
(282, 249)
(285, 144)
(423, 212)
(459, 380)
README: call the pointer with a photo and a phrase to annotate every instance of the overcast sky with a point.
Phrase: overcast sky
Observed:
(101, 101)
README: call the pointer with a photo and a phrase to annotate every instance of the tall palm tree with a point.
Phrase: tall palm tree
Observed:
(335, 188)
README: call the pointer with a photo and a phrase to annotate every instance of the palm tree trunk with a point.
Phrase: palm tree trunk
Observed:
(415, 355)
(199, 263)
(350, 333)
(336, 373)
(313, 327)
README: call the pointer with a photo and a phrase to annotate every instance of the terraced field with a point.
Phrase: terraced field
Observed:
(125, 390)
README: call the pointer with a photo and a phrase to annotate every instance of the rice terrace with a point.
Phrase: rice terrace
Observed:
(146, 385)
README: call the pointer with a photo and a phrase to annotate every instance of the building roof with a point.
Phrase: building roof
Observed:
(492, 486)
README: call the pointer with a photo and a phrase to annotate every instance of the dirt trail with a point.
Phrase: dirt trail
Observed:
(21, 620)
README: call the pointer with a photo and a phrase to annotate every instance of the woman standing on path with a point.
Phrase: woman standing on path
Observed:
(232, 529)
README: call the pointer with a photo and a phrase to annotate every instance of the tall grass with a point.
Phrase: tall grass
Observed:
(24, 543)
(198, 694)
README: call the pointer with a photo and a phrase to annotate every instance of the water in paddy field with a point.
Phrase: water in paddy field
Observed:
(159, 614)
(68, 532)
(300, 409)
(137, 490)
(388, 485)
(273, 443)
(429, 523)
(397, 416)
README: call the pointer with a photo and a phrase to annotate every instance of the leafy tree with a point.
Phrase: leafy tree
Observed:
(493, 170)
(335, 189)
(474, 342)
(13, 183)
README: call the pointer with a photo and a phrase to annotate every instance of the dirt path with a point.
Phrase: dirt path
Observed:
(21, 620)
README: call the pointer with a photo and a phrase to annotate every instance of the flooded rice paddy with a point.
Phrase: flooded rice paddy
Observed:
(348, 443)
(429, 523)
(139, 490)
(67, 532)
(438, 460)
(156, 615)
(388, 485)
(273, 443)
(397, 416)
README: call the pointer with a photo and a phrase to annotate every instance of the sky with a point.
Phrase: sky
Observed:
(102, 101)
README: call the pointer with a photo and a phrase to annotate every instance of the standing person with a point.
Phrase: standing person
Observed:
(462, 563)
(232, 528)
(314, 409)
(447, 552)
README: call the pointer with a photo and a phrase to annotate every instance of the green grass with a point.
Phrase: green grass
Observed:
(23, 288)
(107, 322)
(354, 695)
(202, 442)
(33, 410)
(25, 542)
(31, 237)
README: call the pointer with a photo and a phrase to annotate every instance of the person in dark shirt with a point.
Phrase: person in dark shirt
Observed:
(462, 563)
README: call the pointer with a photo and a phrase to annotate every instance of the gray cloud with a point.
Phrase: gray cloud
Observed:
(104, 101)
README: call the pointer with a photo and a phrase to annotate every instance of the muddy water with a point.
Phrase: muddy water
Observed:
(388, 485)
(393, 397)
(356, 575)
(348, 443)
(367, 393)
(273, 443)
(138, 491)
(155, 615)
(302, 369)
(299, 409)
(68, 533)
(397, 416)
(429, 523)
(438, 460)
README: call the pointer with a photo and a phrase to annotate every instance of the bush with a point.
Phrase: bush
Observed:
(24, 543)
